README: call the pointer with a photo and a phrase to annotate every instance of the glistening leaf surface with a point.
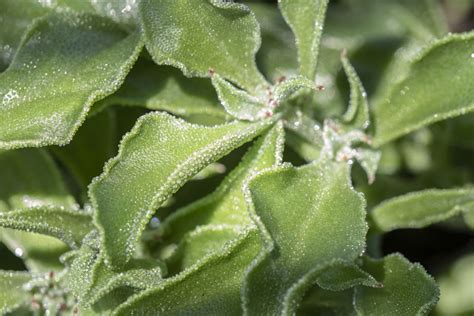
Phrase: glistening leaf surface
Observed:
(297, 210)
(65, 63)
(15, 17)
(357, 114)
(198, 35)
(227, 204)
(438, 86)
(407, 289)
(210, 287)
(12, 294)
(156, 158)
(68, 226)
(423, 208)
(306, 19)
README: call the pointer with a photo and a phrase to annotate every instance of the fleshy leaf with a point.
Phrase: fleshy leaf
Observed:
(239, 103)
(369, 161)
(166, 88)
(15, 16)
(198, 36)
(297, 209)
(68, 226)
(227, 205)
(90, 280)
(210, 287)
(84, 58)
(431, 91)
(12, 294)
(306, 19)
(407, 289)
(156, 158)
(357, 114)
(198, 244)
(333, 292)
(342, 275)
(423, 208)
(28, 179)
(284, 89)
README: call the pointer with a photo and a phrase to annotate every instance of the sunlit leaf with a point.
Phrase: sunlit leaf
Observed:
(156, 158)
(68, 226)
(238, 102)
(430, 92)
(296, 209)
(357, 114)
(306, 19)
(198, 36)
(227, 205)
(64, 64)
(407, 289)
(422, 208)
(222, 273)
(15, 17)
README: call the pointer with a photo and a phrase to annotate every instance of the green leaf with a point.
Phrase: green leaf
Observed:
(333, 292)
(68, 226)
(342, 275)
(227, 206)
(306, 19)
(98, 136)
(357, 114)
(422, 208)
(156, 158)
(199, 36)
(285, 88)
(29, 178)
(165, 88)
(92, 282)
(210, 287)
(12, 294)
(407, 289)
(437, 87)
(15, 17)
(199, 243)
(297, 210)
(239, 103)
(456, 288)
(84, 58)
(123, 12)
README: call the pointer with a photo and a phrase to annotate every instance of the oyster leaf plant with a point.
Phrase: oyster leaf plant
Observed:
(118, 119)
